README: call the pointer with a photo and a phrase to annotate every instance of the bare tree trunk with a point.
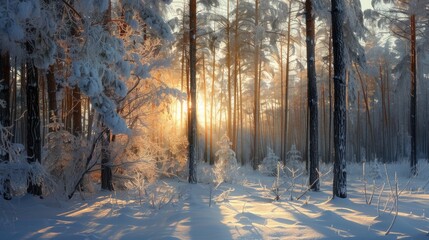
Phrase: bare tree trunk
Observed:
(5, 97)
(106, 169)
(330, 97)
(34, 144)
(340, 174)
(5, 116)
(286, 95)
(192, 137)
(256, 110)
(206, 147)
(236, 63)
(52, 92)
(413, 97)
(77, 112)
(312, 97)
(228, 69)
(212, 157)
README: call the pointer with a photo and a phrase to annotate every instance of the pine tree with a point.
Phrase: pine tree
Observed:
(5, 111)
(192, 104)
(312, 95)
(34, 144)
(340, 174)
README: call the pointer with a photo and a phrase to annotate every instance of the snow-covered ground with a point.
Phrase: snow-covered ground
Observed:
(175, 209)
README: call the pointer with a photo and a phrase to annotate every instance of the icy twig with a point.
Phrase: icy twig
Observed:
(309, 187)
(396, 205)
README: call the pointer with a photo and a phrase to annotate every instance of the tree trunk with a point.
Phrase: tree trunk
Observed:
(413, 97)
(340, 174)
(206, 146)
(77, 112)
(236, 63)
(34, 147)
(228, 69)
(312, 96)
(5, 98)
(106, 169)
(286, 95)
(256, 111)
(52, 92)
(192, 137)
(212, 154)
(5, 116)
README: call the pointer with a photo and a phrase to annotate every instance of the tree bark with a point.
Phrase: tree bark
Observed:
(312, 96)
(340, 174)
(77, 111)
(52, 92)
(212, 155)
(5, 97)
(256, 103)
(106, 170)
(5, 116)
(34, 147)
(192, 137)
(413, 97)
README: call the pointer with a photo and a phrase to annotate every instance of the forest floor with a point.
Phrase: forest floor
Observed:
(174, 209)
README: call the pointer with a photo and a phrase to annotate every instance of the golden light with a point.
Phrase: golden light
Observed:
(179, 111)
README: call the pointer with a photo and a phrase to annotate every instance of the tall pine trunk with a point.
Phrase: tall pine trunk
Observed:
(192, 132)
(34, 147)
(340, 174)
(256, 103)
(5, 116)
(106, 169)
(52, 92)
(212, 154)
(312, 96)
(413, 97)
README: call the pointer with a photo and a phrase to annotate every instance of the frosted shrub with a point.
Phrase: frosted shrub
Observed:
(16, 173)
(160, 195)
(226, 167)
(205, 173)
(64, 157)
(375, 171)
(136, 165)
(174, 162)
(293, 158)
(269, 164)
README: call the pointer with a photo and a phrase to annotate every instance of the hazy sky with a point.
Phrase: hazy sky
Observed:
(365, 4)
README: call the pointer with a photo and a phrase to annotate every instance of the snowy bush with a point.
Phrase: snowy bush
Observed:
(205, 173)
(374, 170)
(269, 164)
(15, 176)
(64, 157)
(136, 166)
(16, 173)
(225, 169)
(293, 158)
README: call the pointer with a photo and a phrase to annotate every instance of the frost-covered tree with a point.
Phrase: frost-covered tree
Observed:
(225, 169)
(340, 173)
(63, 157)
(83, 52)
(293, 158)
(408, 21)
(270, 163)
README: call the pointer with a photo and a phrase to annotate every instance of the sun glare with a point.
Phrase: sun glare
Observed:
(179, 111)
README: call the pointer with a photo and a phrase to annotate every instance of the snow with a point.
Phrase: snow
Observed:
(240, 211)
